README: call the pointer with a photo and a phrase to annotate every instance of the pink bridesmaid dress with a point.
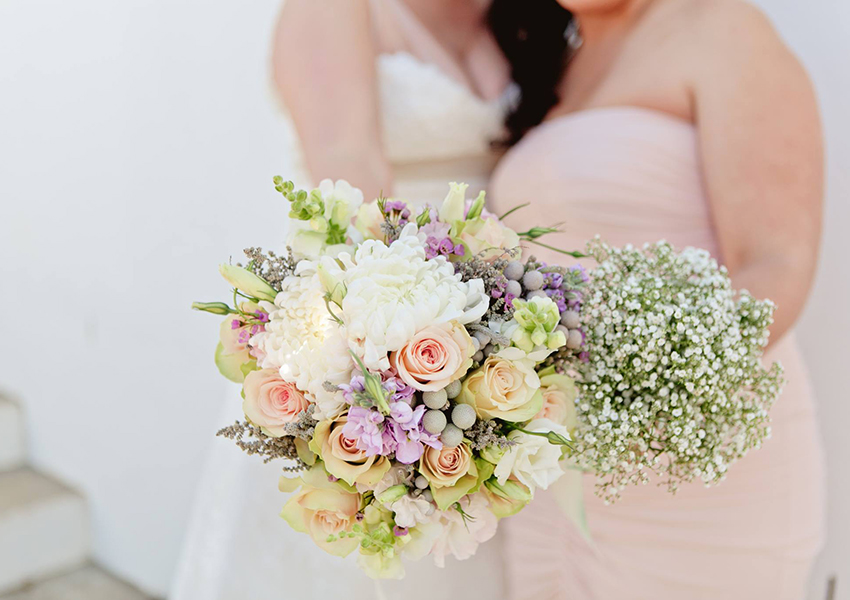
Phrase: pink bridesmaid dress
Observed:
(633, 175)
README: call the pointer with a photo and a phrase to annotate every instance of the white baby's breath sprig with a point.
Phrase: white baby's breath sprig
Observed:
(672, 384)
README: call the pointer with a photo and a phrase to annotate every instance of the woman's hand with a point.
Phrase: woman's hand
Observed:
(323, 61)
(761, 147)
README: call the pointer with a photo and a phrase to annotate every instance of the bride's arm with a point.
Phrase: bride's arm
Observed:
(323, 61)
(761, 147)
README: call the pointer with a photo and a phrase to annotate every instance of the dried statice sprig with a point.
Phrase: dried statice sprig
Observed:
(491, 272)
(486, 433)
(673, 384)
(390, 230)
(304, 426)
(270, 448)
(272, 267)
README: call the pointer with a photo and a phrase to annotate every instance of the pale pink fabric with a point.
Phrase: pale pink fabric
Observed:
(632, 176)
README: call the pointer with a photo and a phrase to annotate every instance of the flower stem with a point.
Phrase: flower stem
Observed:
(574, 253)
(513, 210)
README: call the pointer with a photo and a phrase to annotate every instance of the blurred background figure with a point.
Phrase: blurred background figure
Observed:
(130, 135)
(665, 126)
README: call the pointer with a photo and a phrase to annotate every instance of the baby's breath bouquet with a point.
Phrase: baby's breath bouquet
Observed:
(419, 380)
(672, 383)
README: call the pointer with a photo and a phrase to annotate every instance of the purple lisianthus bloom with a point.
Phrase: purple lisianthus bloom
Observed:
(397, 210)
(557, 296)
(435, 246)
(366, 427)
(436, 229)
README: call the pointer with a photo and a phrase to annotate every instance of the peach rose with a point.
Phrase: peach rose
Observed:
(559, 395)
(343, 459)
(270, 402)
(434, 357)
(503, 389)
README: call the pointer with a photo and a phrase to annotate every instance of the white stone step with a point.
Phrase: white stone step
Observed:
(11, 435)
(88, 583)
(44, 528)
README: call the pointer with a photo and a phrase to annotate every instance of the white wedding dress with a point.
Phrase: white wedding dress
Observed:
(435, 130)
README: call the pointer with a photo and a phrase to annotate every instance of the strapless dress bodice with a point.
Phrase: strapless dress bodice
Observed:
(633, 175)
(434, 130)
(629, 174)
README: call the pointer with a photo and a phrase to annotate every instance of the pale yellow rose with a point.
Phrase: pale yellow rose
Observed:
(503, 389)
(559, 395)
(322, 508)
(434, 357)
(343, 459)
(270, 402)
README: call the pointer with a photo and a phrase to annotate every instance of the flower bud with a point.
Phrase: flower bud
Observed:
(247, 282)
(492, 454)
(510, 490)
(392, 494)
(216, 308)
(452, 207)
(476, 208)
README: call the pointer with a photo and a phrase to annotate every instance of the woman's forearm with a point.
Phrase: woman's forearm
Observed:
(785, 279)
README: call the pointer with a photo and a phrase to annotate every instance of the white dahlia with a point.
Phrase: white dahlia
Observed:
(303, 342)
(392, 292)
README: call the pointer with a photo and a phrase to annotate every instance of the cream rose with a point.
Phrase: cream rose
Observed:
(503, 389)
(434, 357)
(321, 509)
(559, 395)
(343, 459)
(270, 402)
(487, 238)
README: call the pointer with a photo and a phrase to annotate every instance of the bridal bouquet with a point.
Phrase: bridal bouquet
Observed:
(422, 380)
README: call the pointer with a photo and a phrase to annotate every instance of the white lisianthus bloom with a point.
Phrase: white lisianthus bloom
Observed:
(410, 511)
(533, 460)
(303, 342)
(420, 540)
(392, 292)
(461, 535)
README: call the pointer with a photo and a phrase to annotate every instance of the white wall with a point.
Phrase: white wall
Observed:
(134, 137)
(819, 30)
